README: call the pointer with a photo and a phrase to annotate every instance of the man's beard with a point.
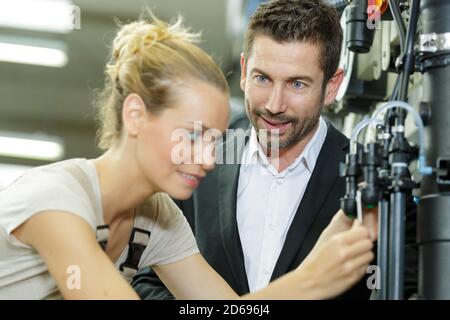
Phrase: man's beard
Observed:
(296, 133)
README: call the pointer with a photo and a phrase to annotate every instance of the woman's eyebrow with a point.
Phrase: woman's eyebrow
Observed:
(194, 123)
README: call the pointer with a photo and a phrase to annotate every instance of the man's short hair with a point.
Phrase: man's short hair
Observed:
(310, 21)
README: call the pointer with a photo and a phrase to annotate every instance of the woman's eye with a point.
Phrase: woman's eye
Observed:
(297, 84)
(194, 136)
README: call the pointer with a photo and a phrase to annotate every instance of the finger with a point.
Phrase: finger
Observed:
(341, 217)
(354, 274)
(359, 248)
(355, 265)
(356, 223)
(356, 233)
(359, 273)
(373, 210)
(371, 222)
(363, 260)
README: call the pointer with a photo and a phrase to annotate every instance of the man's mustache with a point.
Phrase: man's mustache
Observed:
(276, 118)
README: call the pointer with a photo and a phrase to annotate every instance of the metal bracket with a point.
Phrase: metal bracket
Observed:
(425, 62)
(434, 42)
(443, 170)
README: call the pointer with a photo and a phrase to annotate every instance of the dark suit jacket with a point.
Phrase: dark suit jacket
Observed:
(211, 213)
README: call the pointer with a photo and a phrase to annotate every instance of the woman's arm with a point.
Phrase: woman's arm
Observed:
(193, 278)
(329, 269)
(66, 241)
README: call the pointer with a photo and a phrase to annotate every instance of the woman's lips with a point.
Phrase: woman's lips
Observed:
(191, 180)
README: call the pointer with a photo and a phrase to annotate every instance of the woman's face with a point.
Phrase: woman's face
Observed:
(175, 149)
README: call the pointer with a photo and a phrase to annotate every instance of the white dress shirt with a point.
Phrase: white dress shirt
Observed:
(267, 201)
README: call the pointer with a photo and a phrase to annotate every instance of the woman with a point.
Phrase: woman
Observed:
(53, 218)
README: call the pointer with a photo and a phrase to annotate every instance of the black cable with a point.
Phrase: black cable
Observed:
(408, 57)
(401, 29)
(394, 94)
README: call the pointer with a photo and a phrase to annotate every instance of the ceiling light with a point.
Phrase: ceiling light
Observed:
(35, 51)
(37, 147)
(59, 16)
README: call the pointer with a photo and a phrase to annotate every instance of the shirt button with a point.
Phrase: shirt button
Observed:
(279, 181)
(271, 227)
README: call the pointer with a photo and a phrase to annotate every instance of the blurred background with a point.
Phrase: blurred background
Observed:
(53, 53)
(52, 57)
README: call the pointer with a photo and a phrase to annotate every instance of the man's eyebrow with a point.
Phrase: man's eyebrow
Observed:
(293, 78)
(301, 77)
(256, 70)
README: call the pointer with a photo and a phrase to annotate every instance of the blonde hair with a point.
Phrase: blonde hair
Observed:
(146, 58)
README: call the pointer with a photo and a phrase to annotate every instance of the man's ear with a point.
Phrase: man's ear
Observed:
(243, 72)
(133, 114)
(333, 87)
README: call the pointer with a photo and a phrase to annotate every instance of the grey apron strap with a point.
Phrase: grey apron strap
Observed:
(102, 235)
(139, 235)
(136, 245)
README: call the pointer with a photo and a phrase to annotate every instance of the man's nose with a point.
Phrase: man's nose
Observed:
(276, 103)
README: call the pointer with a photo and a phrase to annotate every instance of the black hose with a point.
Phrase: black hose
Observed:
(394, 94)
(408, 57)
(395, 10)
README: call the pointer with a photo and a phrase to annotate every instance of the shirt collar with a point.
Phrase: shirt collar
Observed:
(253, 148)
(312, 149)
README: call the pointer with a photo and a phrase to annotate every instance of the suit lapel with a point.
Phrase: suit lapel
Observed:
(228, 175)
(319, 186)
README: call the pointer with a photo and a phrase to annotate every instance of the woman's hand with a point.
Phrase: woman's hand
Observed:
(341, 222)
(338, 261)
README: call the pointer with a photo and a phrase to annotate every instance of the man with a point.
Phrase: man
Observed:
(257, 221)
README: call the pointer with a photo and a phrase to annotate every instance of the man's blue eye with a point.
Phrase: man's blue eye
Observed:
(261, 78)
(297, 84)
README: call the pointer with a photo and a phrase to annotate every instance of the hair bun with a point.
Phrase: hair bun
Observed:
(143, 35)
(146, 57)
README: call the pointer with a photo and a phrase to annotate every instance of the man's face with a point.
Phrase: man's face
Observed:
(283, 89)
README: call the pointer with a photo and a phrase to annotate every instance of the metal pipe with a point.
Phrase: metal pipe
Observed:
(433, 216)
(382, 253)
